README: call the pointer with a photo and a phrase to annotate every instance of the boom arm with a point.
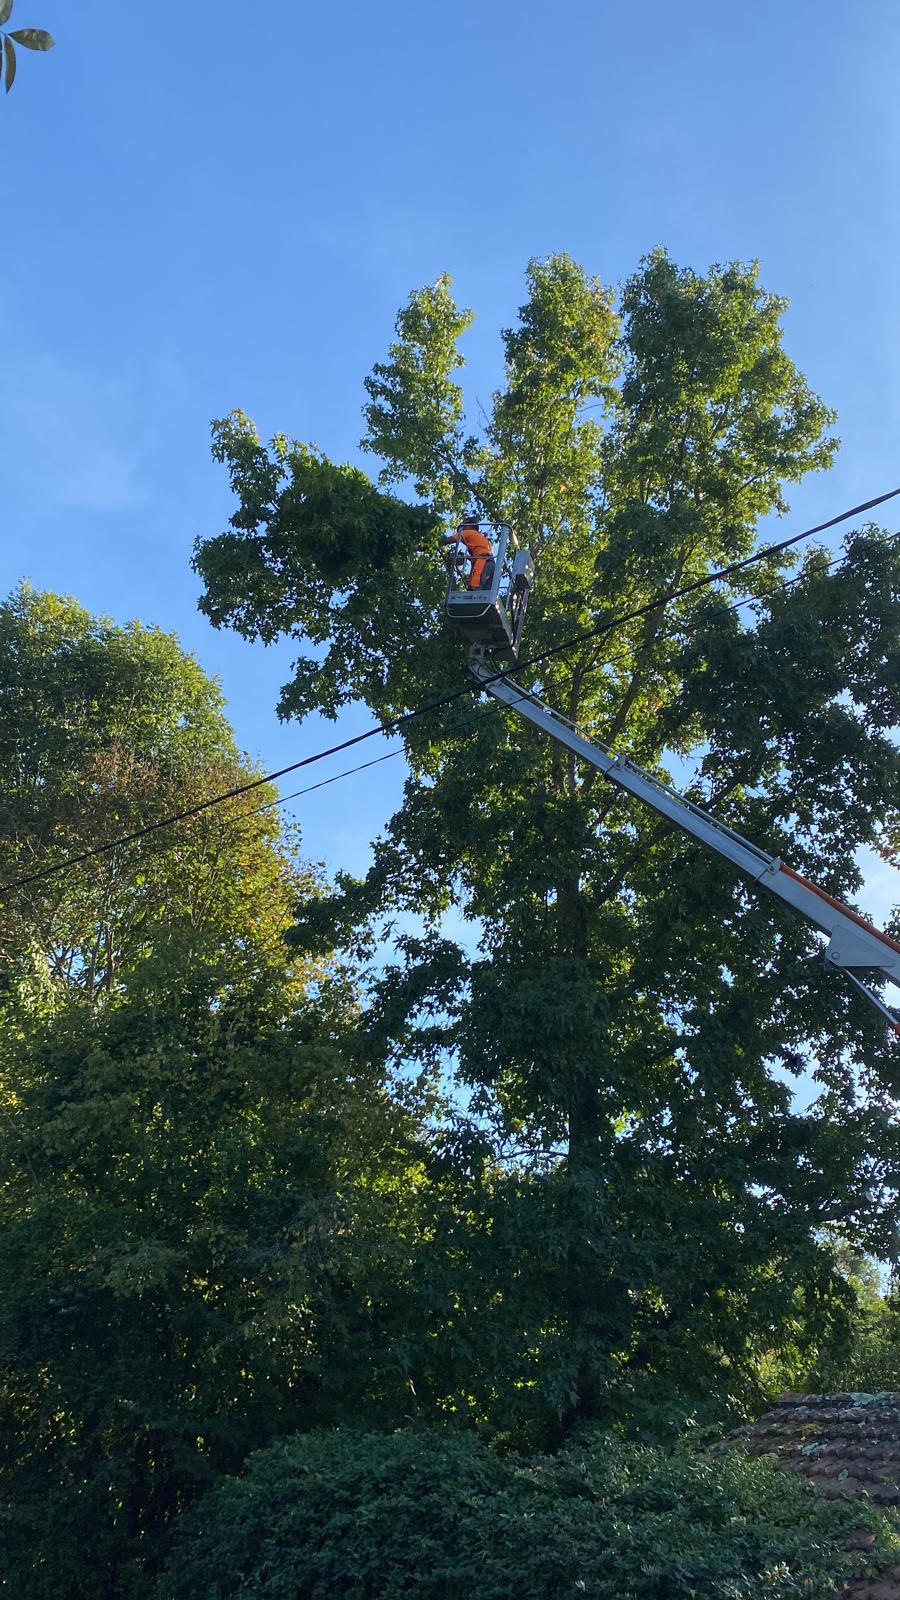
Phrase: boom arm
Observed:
(853, 944)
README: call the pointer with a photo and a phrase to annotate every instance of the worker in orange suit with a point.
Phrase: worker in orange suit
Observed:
(480, 553)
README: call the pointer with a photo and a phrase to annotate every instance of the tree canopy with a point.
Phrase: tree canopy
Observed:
(631, 1018)
(105, 730)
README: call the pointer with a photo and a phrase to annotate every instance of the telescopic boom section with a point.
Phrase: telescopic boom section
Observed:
(853, 944)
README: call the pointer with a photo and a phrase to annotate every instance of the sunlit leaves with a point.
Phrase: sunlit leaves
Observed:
(546, 426)
(315, 549)
(105, 729)
(190, 1141)
(415, 409)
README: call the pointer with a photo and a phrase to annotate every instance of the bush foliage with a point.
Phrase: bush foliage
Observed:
(426, 1514)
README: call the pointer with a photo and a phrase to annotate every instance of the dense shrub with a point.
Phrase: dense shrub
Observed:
(430, 1516)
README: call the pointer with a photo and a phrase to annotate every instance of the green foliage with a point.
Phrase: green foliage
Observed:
(236, 1214)
(104, 730)
(643, 1219)
(33, 38)
(866, 1359)
(543, 455)
(415, 407)
(28, 38)
(422, 1514)
(869, 1362)
(349, 587)
(196, 1177)
(188, 1248)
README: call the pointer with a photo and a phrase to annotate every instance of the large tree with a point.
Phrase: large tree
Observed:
(628, 1025)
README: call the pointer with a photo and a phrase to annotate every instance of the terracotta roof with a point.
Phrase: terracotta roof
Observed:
(848, 1446)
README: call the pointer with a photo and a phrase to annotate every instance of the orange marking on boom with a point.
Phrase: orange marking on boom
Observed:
(839, 905)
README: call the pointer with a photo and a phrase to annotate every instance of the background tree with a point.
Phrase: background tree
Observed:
(197, 1223)
(200, 1182)
(103, 730)
(634, 1010)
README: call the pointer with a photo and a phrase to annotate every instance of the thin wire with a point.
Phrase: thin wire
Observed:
(735, 605)
(349, 772)
(476, 686)
(282, 799)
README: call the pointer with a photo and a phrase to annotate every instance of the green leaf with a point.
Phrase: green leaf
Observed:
(9, 64)
(5, 10)
(33, 38)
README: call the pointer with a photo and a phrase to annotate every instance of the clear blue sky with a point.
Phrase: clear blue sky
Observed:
(210, 205)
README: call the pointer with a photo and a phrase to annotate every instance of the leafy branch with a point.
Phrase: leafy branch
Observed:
(28, 38)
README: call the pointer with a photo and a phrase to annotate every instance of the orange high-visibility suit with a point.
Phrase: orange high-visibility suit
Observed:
(480, 551)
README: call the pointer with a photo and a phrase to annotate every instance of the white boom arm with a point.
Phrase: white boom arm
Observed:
(853, 944)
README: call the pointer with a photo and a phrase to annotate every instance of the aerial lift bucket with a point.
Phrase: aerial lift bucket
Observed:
(492, 615)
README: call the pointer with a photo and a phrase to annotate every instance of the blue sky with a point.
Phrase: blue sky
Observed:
(214, 205)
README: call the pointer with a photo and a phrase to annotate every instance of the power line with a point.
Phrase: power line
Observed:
(394, 724)
(350, 772)
(468, 722)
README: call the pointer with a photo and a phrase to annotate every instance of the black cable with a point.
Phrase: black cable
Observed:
(395, 723)
(349, 772)
(282, 799)
(468, 722)
(363, 766)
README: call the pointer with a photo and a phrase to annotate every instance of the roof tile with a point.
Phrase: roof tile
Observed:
(847, 1444)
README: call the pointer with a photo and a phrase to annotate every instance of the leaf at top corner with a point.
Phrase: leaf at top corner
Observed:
(9, 64)
(33, 38)
(5, 11)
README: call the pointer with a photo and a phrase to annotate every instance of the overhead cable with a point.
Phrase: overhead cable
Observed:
(394, 724)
